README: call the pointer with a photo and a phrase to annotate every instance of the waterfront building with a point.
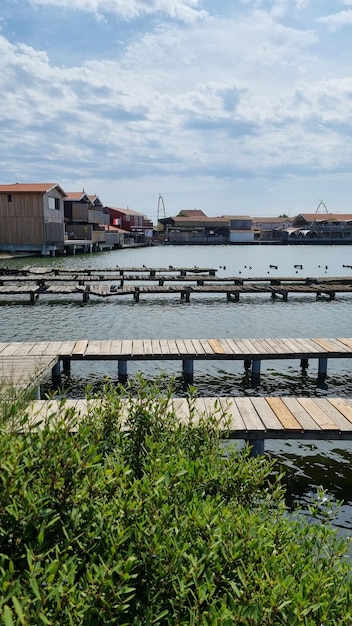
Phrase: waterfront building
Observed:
(32, 218)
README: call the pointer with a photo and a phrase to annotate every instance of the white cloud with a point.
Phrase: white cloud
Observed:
(343, 18)
(248, 97)
(184, 10)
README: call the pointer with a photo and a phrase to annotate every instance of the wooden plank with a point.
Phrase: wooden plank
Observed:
(249, 415)
(346, 341)
(326, 344)
(138, 347)
(206, 347)
(233, 420)
(180, 407)
(216, 346)
(343, 406)
(284, 415)
(126, 347)
(164, 347)
(198, 347)
(116, 347)
(93, 349)
(300, 414)
(266, 413)
(334, 415)
(80, 348)
(147, 346)
(316, 412)
(181, 347)
(156, 347)
(172, 346)
(190, 347)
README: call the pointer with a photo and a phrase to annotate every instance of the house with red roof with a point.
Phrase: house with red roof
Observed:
(32, 218)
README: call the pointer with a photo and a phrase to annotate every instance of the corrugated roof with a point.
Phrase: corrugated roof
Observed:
(30, 188)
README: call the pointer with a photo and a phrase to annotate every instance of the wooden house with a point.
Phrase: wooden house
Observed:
(32, 218)
(85, 218)
(139, 227)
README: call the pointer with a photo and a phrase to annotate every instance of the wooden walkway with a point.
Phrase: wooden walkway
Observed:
(185, 282)
(251, 351)
(254, 419)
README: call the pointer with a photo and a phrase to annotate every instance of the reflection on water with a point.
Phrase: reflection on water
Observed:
(307, 464)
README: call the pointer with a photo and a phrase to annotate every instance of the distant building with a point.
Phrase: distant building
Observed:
(320, 228)
(32, 218)
(139, 227)
(194, 227)
(240, 229)
(85, 218)
(270, 228)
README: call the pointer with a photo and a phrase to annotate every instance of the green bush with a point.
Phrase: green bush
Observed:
(141, 520)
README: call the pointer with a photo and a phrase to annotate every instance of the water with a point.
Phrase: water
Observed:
(308, 464)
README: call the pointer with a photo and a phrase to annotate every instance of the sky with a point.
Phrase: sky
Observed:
(230, 107)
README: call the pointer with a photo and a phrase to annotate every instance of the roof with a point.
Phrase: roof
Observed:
(323, 217)
(76, 195)
(30, 188)
(126, 211)
(191, 213)
(271, 220)
(201, 219)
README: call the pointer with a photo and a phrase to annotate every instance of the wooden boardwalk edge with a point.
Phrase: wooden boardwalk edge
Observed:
(249, 418)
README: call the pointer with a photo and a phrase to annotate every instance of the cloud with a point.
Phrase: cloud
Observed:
(343, 18)
(183, 10)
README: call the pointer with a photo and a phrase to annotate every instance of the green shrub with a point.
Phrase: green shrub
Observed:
(156, 525)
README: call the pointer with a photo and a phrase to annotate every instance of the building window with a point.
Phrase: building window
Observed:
(9, 197)
(54, 203)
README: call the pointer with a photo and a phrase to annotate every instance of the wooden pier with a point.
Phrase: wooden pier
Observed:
(187, 351)
(138, 283)
(254, 419)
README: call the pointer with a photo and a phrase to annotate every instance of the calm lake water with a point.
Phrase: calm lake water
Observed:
(307, 464)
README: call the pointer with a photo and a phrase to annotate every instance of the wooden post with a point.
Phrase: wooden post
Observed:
(322, 368)
(304, 364)
(66, 365)
(257, 447)
(56, 372)
(247, 364)
(256, 370)
(136, 294)
(122, 370)
(187, 367)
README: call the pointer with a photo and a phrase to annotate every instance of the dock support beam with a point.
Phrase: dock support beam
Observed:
(256, 363)
(257, 447)
(322, 368)
(56, 372)
(122, 370)
(188, 370)
(304, 364)
(136, 294)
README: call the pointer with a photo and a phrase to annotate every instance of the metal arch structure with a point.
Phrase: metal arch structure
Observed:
(324, 207)
(161, 209)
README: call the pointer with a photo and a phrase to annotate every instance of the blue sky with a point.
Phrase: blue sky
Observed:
(231, 107)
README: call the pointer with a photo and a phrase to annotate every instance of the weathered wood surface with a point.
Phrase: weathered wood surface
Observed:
(237, 417)
(173, 349)
(21, 371)
(231, 291)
